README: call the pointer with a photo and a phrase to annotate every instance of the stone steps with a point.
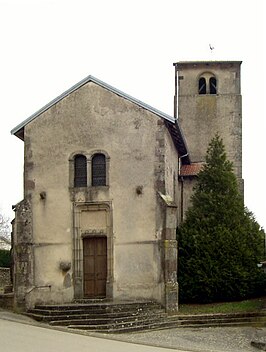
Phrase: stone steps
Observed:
(126, 320)
(99, 316)
(131, 326)
(111, 317)
(83, 315)
(214, 320)
(207, 321)
(99, 306)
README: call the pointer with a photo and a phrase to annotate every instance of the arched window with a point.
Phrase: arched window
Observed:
(212, 83)
(202, 85)
(98, 177)
(80, 171)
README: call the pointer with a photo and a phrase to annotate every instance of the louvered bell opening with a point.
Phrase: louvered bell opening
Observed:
(213, 85)
(202, 85)
(99, 170)
(80, 178)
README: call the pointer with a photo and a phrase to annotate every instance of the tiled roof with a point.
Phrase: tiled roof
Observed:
(191, 170)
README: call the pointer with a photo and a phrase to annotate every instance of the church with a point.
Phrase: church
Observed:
(108, 179)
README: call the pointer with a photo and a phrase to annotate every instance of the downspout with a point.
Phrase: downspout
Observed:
(182, 200)
(175, 97)
(182, 194)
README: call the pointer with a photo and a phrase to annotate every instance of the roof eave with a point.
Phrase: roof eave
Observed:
(179, 141)
(19, 133)
(187, 176)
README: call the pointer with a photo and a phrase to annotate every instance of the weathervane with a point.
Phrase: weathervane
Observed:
(211, 47)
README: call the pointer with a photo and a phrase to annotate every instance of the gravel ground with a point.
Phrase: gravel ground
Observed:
(233, 339)
(226, 339)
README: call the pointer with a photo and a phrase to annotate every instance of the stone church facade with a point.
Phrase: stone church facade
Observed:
(107, 179)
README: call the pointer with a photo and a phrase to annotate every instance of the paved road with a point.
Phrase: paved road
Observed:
(18, 337)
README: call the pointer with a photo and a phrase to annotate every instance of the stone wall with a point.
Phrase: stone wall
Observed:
(22, 252)
(4, 278)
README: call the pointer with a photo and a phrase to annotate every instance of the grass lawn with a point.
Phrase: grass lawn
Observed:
(252, 305)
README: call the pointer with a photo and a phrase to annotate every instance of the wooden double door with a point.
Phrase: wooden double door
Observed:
(95, 266)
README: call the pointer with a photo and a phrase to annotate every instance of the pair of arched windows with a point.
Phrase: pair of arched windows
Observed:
(207, 85)
(98, 170)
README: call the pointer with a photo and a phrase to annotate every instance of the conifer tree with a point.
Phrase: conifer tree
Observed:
(220, 243)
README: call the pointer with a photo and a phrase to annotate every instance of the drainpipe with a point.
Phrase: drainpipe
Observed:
(182, 200)
(175, 97)
(182, 192)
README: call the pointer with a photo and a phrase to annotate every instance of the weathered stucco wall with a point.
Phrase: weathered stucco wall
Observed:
(188, 184)
(88, 120)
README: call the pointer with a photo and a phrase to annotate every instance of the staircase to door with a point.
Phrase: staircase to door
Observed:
(95, 266)
(103, 316)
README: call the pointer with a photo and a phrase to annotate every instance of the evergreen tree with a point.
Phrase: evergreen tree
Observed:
(220, 243)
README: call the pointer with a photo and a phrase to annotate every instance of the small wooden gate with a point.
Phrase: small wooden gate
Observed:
(95, 266)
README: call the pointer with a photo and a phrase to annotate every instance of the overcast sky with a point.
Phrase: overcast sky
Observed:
(48, 46)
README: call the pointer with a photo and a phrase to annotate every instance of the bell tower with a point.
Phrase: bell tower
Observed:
(207, 101)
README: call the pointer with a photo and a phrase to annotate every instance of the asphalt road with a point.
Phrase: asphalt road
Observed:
(18, 337)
